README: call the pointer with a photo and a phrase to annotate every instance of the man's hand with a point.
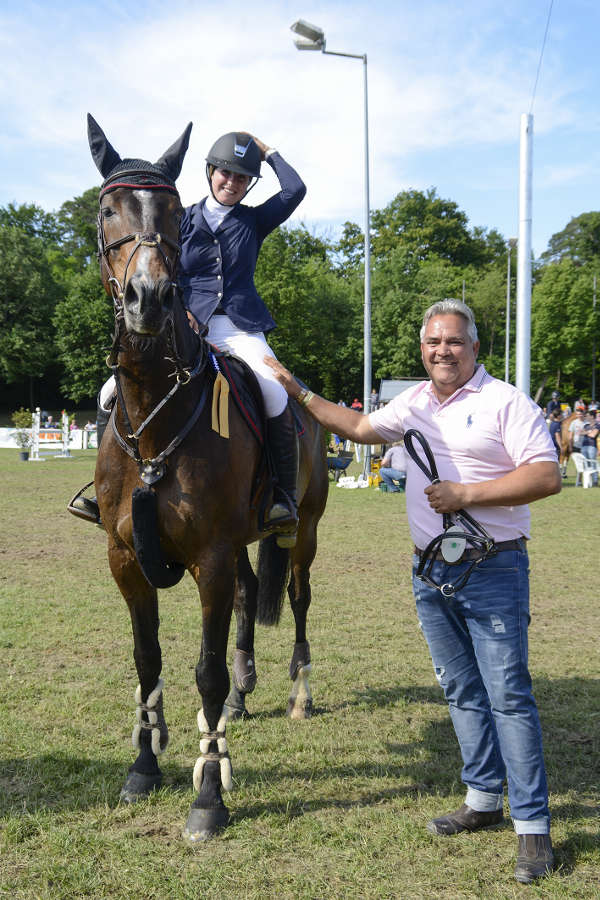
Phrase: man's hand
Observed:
(284, 376)
(446, 496)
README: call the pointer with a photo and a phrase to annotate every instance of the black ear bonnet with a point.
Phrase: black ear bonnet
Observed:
(133, 173)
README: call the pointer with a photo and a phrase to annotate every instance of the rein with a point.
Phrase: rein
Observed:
(460, 528)
(151, 469)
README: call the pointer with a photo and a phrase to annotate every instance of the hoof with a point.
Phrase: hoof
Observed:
(204, 824)
(139, 786)
(301, 710)
(234, 713)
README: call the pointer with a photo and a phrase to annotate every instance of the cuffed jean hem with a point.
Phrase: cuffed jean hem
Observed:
(481, 801)
(533, 826)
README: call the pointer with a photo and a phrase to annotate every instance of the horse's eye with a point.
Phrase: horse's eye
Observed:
(107, 212)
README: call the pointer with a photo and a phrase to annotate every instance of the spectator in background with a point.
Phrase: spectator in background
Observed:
(553, 404)
(356, 404)
(393, 468)
(555, 428)
(589, 433)
(576, 428)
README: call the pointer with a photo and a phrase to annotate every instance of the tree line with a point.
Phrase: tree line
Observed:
(56, 321)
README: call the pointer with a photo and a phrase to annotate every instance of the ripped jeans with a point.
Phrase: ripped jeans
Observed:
(478, 644)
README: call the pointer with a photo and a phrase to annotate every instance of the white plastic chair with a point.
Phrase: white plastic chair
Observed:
(585, 469)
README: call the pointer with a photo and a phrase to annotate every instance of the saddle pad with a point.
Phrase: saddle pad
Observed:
(246, 393)
(244, 389)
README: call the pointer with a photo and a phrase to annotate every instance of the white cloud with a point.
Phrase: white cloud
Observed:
(441, 79)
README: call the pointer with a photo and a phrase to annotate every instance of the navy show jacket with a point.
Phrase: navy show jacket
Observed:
(218, 267)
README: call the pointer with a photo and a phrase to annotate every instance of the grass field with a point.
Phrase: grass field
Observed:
(331, 808)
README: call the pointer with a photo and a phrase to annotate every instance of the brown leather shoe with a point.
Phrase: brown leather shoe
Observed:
(465, 819)
(535, 858)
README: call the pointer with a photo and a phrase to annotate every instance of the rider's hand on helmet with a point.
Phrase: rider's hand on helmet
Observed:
(261, 146)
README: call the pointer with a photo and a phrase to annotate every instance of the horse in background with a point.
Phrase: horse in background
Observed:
(178, 493)
(565, 443)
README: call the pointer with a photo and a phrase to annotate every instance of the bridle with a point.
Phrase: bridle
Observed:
(148, 239)
(151, 469)
(460, 529)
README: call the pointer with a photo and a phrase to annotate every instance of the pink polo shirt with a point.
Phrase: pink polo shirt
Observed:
(486, 429)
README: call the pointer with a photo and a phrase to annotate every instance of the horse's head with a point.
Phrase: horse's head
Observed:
(138, 231)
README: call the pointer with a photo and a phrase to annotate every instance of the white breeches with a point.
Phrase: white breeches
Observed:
(249, 346)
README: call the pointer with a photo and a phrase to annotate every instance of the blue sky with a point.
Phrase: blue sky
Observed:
(447, 85)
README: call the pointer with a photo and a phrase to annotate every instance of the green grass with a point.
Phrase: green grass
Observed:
(331, 808)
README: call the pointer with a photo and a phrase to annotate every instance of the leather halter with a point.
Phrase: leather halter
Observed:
(151, 470)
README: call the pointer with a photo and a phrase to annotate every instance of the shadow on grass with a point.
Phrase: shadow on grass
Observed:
(429, 764)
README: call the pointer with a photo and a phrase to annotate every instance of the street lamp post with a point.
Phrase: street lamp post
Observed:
(313, 38)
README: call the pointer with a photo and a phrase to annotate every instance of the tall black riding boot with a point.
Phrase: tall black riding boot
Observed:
(87, 507)
(283, 442)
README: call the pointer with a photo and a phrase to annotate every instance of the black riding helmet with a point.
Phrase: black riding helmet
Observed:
(236, 152)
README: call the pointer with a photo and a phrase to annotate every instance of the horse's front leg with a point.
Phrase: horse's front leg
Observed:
(243, 669)
(150, 734)
(212, 771)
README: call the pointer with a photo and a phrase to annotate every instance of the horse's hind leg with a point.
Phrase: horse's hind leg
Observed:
(243, 669)
(150, 734)
(300, 700)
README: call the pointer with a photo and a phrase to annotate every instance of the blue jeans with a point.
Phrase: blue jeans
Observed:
(389, 476)
(591, 453)
(478, 644)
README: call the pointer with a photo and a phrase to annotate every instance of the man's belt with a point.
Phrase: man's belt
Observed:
(518, 544)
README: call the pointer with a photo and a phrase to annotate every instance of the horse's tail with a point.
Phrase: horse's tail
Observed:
(158, 571)
(273, 571)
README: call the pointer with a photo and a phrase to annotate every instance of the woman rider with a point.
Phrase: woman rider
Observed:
(220, 242)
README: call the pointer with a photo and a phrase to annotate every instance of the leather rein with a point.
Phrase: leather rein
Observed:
(152, 469)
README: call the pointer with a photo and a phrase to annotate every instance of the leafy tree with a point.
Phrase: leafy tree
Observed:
(563, 326)
(317, 312)
(32, 221)
(84, 321)
(403, 288)
(427, 225)
(28, 295)
(578, 241)
(487, 298)
(77, 221)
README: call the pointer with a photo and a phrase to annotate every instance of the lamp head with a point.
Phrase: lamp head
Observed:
(314, 36)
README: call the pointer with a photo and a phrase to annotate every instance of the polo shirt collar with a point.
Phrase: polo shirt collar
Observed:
(474, 384)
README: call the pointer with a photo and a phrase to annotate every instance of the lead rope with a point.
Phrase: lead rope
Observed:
(452, 541)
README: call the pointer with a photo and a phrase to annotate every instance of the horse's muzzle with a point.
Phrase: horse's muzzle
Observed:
(147, 304)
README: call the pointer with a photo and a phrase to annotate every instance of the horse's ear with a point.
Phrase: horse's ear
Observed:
(103, 153)
(172, 159)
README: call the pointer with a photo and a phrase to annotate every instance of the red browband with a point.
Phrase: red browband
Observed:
(138, 187)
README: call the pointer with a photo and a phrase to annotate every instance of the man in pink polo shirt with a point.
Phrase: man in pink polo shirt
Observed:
(494, 456)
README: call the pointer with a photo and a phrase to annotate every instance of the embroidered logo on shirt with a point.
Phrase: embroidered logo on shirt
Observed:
(469, 420)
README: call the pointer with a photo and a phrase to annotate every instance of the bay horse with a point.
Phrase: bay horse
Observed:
(178, 493)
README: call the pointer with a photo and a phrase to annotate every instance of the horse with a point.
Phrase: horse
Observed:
(181, 480)
(564, 439)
